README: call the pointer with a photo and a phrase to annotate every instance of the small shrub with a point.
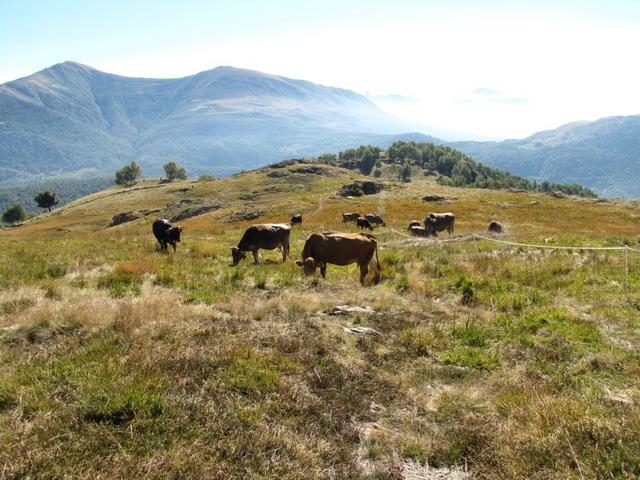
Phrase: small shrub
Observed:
(402, 284)
(260, 280)
(55, 270)
(465, 287)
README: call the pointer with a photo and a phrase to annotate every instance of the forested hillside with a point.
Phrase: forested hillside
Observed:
(451, 167)
(603, 155)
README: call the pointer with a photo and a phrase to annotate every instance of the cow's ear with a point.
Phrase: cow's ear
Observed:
(299, 263)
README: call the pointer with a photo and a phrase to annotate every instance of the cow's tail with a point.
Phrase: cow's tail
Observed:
(375, 264)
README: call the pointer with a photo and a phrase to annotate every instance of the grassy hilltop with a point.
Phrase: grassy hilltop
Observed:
(119, 361)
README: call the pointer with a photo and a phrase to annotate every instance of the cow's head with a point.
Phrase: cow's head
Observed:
(308, 265)
(429, 224)
(174, 233)
(237, 255)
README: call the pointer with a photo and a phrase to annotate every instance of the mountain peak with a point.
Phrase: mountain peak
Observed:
(72, 118)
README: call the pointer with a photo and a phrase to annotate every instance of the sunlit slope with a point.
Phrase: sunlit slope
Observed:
(274, 194)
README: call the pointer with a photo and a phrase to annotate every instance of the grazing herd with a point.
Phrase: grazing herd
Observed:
(321, 249)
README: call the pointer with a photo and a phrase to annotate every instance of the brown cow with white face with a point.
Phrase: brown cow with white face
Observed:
(340, 249)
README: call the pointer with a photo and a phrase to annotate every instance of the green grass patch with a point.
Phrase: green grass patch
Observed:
(253, 373)
(471, 357)
(121, 284)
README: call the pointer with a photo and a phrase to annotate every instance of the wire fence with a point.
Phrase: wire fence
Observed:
(413, 241)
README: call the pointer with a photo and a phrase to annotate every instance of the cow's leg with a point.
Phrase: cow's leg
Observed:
(376, 269)
(256, 258)
(173, 244)
(285, 252)
(323, 270)
(163, 245)
(363, 271)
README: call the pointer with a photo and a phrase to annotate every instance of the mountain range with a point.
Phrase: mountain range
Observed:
(603, 155)
(71, 120)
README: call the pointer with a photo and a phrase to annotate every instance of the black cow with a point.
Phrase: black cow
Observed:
(363, 224)
(350, 217)
(166, 233)
(438, 222)
(494, 227)
(375, 219)
(266, 236)
(296, 219)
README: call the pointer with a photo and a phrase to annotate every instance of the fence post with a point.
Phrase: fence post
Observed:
(626, 269)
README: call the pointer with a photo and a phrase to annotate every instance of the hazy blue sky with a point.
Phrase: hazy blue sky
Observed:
(493, 68)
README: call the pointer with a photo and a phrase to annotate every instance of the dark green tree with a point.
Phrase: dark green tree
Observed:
(405, 172)
(128, 174)
(14, 214)
(174, 171)
(47, 199)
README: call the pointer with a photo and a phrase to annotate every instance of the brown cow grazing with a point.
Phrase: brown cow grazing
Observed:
(414, 223)
(375, 219)
(363, 224)
(340, 249)
(494, 227)
(296, 219)
(437, 222)
(350, 217)
(166, 233)
(267, 236)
